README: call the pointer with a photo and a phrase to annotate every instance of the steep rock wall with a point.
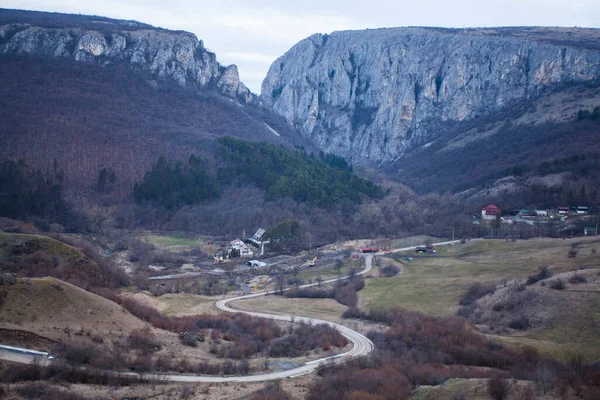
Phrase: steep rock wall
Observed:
(372, 95)
(177, 56)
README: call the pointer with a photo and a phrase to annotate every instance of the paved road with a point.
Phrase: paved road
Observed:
(361, 345)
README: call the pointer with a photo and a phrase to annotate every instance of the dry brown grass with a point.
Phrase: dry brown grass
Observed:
(296, 388)
(326, 309)
(178, 304)
(72, 314)
(473, 389)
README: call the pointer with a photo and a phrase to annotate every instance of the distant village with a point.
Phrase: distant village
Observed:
(491, 213)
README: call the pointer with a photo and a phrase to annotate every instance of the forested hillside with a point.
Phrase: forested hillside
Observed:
(88, 117)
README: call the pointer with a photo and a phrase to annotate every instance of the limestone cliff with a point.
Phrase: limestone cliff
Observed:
(162, 54)
(373, 95)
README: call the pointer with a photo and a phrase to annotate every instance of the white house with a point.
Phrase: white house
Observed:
(241, 246)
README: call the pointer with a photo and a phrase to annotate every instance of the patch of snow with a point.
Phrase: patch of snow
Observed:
(272, 130)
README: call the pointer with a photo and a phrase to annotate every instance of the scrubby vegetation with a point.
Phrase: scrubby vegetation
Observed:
(389, 270)
(557, 284)
(476, 291)
(542, 274)
(344, 291)
(240, 336)
(418, 349)
(39, 256)
(577, 279)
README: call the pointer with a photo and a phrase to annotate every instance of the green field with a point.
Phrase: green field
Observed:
(176, 242)
(434, 284)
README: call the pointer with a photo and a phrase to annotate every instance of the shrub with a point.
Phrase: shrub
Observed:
(41, 390)
(543, 273)
(577, 278)
(188, 340)
(557, 284)
(475, 292)
(520, 323)
(390, 270)
(271, 391)
(498, 387)
(144, 340)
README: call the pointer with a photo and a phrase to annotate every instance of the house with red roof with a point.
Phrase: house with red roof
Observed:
(490, 212)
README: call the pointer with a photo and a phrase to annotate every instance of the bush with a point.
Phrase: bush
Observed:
(521, 323)
(543, 273)
(498, 387)
(390, 270)
(475, 292)
(144, 340)
(572, 253)
(557, 284)
(188, 340)
(577, 278)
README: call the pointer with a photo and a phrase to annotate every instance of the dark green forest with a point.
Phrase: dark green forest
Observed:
(25, 193)
(279, 172)
(173, 184)
(283, 173)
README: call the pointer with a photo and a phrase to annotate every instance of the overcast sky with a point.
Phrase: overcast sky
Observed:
(253, 33)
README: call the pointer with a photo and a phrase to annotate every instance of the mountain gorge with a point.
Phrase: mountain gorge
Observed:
(132, 118)
(373, 96)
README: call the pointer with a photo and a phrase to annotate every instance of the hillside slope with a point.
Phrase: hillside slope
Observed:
(56, 310)
(95, 93)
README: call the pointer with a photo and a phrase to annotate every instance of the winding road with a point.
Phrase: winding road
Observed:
(361, 345)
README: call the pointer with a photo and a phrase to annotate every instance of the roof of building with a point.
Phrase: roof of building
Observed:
(259, 233)
(237, 242)
(491, 209)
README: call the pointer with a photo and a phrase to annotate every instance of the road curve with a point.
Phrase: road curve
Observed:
(361, 345)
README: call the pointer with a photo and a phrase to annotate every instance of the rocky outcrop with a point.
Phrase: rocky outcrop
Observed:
(164, 55)
(372, 95)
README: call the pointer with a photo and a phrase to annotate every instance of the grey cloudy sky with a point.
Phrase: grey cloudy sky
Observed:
(253, 33)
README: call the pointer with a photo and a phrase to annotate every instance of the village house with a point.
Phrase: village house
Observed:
(582, 210)
(240, 246)
(490, 212)
(563, 210)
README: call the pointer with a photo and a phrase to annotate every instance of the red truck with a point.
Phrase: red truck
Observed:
(370, 250)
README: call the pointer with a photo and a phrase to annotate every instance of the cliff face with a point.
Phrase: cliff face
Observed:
(372, 95)
(162, 54)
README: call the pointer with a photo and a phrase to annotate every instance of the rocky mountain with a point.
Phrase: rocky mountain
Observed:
(159, 53)
(372, 96)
